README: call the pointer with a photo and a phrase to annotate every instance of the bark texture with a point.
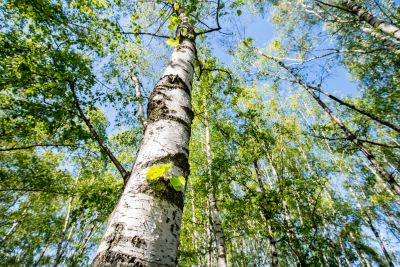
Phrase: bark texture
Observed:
(143, 230)
(367, 17)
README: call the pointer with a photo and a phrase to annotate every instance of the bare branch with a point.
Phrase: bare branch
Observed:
(361, 140)
(96, 136)
(147, 33)
(37, 145)
(217, 20)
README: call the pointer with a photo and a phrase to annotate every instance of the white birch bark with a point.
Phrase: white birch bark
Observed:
(139, 99)
(215, 219)
(387, 41)
(367, 17)
(270, 233)
(368, 219)
(143, 230)
(63, 232)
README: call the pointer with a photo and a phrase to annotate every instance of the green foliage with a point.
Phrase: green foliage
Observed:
(158, 171)
(178, 182)
(281, 171)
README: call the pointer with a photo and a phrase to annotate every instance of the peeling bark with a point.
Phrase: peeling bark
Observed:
(143, 230)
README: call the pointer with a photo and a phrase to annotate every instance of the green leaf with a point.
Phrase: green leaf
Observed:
(176, 6)
(239, 12)
(156, 171)
(172, 42)
(178, 183)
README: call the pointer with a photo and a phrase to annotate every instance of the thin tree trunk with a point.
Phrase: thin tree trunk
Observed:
(63, 232)
(209, 236)
(139, 99)
(143, 229)
(387, 41)
(194, 219)
(365, 113)
(368, 220)
(348, 264)
(359, 251)
(83, 245)
(216, 221)
(395, 187)
(360, 255)
(42, 254)
(270, 233)
(363, 15)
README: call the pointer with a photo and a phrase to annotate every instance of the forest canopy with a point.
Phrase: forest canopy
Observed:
(200, 133)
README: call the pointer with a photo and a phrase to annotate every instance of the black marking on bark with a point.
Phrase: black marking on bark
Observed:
(189, 112)
(179, 160)
(171, 82)
(158, 108)
(138, 242)
(192, 65)
(168, 193)
(111, 258)
(115, 237)
(173, 215)
(182, 47)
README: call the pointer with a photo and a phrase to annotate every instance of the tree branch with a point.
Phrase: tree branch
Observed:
(346, 138)
(351, 106)
(94, 133)
(37, 145)
(217, 20)
(147, 33)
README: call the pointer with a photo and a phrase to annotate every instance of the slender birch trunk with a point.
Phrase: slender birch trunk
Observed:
(361, 257)
(390, 43)
(215, 219)
(143, 230)
(368, 220)
(194, 220)
(63, 232)
(359, 251)
(363, 15)
(139, 99)
(270, 233)
(394, 185)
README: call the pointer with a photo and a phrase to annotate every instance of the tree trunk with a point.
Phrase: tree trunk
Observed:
(215, 219)
(360, 254)
(395, 187)
(139, 98)
(63, 232)
(361, 257)
(367, 17)
(143, 230)
(368, 220)
(387, 41)
(270, 233)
